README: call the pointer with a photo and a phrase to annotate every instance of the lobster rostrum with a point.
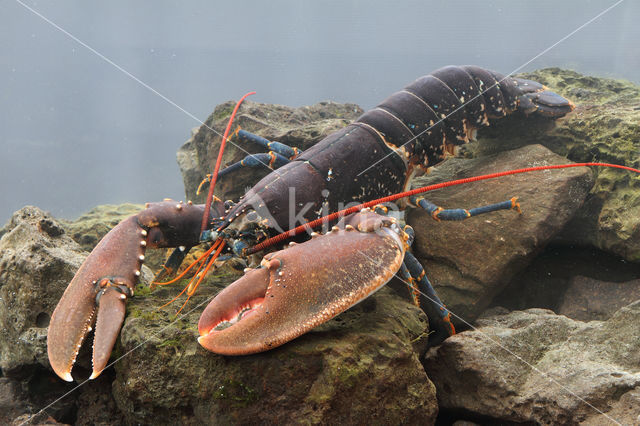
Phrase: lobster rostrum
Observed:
(287, 295)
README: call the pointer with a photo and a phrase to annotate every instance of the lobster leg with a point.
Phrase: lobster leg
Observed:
(98, 292)
(279, 154)
(439, 317)
(424, 295)
(438, 213)
(271, 159)
(277, 147)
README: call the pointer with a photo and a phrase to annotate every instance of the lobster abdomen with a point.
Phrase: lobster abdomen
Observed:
(377, 154)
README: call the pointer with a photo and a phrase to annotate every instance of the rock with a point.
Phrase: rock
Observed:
(88, 229)
(589, 299)
(536, 366)
(470, 261)
(96, 404)
(298, 127)
(545, 281)
(37, 261)
(362, 364)
(13, 402)
(604, 127)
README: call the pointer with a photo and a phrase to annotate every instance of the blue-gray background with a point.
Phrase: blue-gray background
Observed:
(76, 132)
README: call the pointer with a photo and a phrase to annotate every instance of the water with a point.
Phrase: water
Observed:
(76, 132)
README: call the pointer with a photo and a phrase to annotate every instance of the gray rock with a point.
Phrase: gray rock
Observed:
(37, 261)
(604, 127)
(545, 281)
(536, 366)
(13, 402)
(590, 299)
(363, 364)
(298, 127)
(470, 261)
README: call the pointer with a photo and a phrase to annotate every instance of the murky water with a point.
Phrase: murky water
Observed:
(76, 131)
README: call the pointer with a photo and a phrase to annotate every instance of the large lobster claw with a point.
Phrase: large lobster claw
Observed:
(303, 286)
(98, 292)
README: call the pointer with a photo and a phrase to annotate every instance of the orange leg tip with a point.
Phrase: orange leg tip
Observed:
(435, 214)
(452, 329)
(515, 205)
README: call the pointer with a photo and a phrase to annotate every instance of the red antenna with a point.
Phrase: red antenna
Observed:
(314, 223)
(214, 177)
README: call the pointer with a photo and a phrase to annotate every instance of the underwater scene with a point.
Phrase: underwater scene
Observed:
(352, 212)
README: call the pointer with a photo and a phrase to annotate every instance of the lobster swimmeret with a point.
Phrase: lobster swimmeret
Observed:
(375, 156)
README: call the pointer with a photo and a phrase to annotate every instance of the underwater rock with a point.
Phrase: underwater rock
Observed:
(589, 299)
(545, 281)
(298, 127)
(363, 364)
(13, 402)
(605, 127)
(88, 229)
(536, 366)
(470, 261)
(37, 261)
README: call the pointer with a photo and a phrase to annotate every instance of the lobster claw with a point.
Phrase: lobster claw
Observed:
(98, 292)
(303, 286)
(108, 274)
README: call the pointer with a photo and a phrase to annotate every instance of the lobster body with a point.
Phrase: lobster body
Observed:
(380, 152)
(375, 156)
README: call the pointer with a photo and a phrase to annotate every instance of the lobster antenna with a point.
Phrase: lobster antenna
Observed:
(333, 216)
(214, 177)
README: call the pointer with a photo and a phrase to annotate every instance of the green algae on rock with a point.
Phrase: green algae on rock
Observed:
(605, 127)
(362, 364)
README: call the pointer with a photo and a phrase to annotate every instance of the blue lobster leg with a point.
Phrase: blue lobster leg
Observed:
(438, 213)
(271, 159)
(277, 147)
(439, 317)
(424, 295)
(279, 154)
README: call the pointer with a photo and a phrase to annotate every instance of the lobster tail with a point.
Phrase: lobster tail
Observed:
(428, 118)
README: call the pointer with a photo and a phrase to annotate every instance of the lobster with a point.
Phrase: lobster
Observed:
(286, 296)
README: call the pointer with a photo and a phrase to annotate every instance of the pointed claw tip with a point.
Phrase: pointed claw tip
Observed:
(95, 374)
(67, 377)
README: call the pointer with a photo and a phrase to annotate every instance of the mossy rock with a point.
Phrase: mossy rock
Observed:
(604, 127)
(362, 364)
(88, 229)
